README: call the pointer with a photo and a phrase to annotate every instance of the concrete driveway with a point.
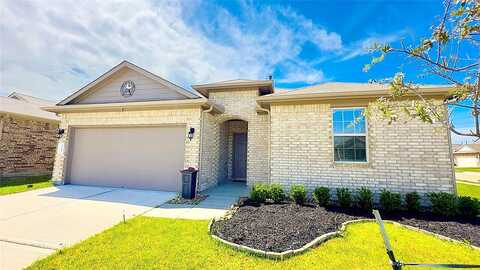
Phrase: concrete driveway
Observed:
(33, 224)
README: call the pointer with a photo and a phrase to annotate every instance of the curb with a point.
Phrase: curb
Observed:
(319, 240)
(33, 244)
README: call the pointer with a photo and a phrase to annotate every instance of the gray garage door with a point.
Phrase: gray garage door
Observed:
(134, 157)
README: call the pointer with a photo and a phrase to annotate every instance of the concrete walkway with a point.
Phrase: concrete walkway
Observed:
(219, 200)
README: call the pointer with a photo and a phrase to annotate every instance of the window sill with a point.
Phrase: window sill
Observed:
(352, 164)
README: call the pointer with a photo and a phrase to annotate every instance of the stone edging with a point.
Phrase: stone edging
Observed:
(317, 241)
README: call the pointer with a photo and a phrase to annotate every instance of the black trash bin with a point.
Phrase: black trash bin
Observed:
(189, 183)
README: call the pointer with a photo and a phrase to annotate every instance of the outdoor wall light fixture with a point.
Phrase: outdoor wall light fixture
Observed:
(60, 132)
(190, 133)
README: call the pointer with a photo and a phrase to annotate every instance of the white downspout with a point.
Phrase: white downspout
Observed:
(201, 144)
(259, 108)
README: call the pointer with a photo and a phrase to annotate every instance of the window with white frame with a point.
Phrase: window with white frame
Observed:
(349, 135)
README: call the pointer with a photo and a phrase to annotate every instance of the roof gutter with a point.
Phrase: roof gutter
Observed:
(142, 105)
(343, 95)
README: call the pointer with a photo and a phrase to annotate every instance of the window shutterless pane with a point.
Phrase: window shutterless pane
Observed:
(360, 142)
(348, 115)
(360, 126)
(357, 112)
(338, 141)
(348, 127)
(337, 127)
(349, 154)
(348, 141)
(349, 148)
(337, 116)
(338, 154)
(361, 154)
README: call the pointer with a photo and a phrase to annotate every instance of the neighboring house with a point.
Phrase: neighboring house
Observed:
(467, 155)
(27, 136)
(131, 128)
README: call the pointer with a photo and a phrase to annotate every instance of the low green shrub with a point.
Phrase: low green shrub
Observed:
(321, 195)
(468, 207)
(298, 194)
(344, 197)
(276, 193)
(412, 202)
(390, 201)
(444, 204)
(259, 193)
(364, 198)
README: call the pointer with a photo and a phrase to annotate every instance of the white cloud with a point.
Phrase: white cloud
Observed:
(52, 50)
(324, 40)
(362, 47)
(301, 72)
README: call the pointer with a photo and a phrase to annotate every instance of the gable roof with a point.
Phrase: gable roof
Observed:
(136, 68)
(16, 106)
(267, 85)
(471, 148)
(344, 90)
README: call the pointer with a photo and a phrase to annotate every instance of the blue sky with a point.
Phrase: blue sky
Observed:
(52, 50)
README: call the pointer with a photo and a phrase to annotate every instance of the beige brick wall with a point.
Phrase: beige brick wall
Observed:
(188, 116)
(27, 147)
(403, 157)
(239, 105)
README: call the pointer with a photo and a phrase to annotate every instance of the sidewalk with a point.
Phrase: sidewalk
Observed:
(219, 200)
(473, 177)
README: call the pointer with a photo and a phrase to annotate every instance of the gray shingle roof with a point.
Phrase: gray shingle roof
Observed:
(338, 87)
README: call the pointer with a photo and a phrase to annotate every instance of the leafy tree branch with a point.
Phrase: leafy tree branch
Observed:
(450, 53)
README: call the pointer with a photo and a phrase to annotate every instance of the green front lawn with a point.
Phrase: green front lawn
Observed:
(471, 190)
(476, 169)
(157, 243)
(15, 185)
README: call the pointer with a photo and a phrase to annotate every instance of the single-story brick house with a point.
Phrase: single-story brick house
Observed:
(27, 136)
(467, 155)
(131, 128)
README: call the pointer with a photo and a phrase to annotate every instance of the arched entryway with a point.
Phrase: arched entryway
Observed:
(234, 150)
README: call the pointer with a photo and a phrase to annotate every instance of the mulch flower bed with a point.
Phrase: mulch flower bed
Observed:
(194, 201)
(281, 227)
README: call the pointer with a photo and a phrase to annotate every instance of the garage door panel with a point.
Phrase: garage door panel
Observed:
(137, 157)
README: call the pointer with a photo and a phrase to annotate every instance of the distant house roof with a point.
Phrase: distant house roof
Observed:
(345, 90)
(31, 99)
(27, 106)
(472, 148)
(456, 146)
